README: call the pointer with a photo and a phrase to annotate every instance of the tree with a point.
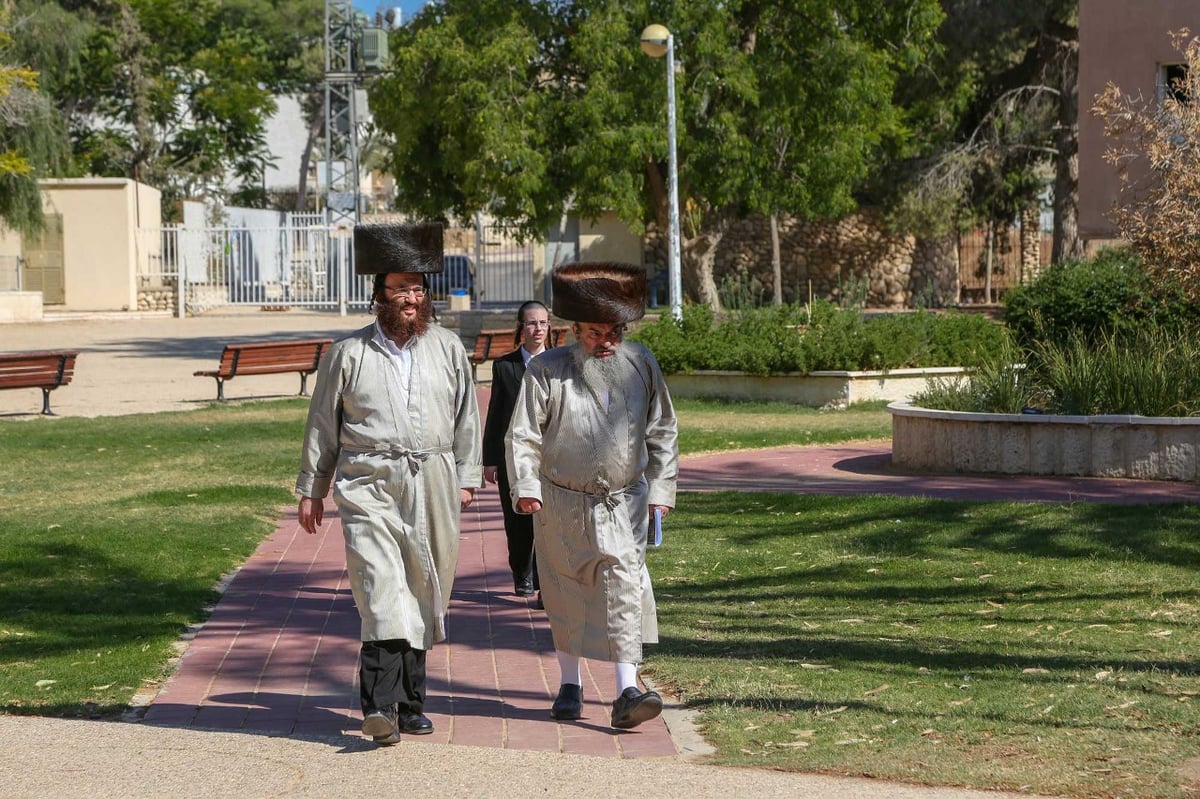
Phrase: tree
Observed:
(1000, 116)
(1155, 145)
(32, 144)
(175, 95)
(524, 108)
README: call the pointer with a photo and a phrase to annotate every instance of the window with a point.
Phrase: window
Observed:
(1172, 81)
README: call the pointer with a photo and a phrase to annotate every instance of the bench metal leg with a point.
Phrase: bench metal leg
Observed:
(46, 403)
(220, 390)
(304, 384)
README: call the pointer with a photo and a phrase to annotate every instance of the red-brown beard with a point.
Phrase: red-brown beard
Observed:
(396, 326)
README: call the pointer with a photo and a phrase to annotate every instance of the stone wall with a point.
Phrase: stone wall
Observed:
(853, 258)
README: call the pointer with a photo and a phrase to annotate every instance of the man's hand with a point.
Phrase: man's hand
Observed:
(528, 505)
(663, 509)
(489, 473)
(465, 497)
(312, 511)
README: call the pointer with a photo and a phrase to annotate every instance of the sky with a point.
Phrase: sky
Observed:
(409, 7)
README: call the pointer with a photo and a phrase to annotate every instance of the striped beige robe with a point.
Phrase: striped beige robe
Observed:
(396, 471)
(595, 470)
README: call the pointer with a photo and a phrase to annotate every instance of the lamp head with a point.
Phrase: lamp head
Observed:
(654, 40)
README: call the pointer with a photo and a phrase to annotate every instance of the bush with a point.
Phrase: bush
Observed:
(789, 338)
(1144, 373)
(1111, 293)
(1084, 297)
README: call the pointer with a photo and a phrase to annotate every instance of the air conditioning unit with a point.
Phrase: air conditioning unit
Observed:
(373, 50)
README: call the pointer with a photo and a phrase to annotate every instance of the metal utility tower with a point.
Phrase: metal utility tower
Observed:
(342, 34)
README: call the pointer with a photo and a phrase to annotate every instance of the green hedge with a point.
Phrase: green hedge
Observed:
(783, 339)
(1109, 294)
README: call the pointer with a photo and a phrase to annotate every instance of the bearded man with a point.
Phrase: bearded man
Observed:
(393, 427)
(592, 453)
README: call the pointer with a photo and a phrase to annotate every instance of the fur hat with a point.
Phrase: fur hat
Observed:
(612, 293)
(379, 249)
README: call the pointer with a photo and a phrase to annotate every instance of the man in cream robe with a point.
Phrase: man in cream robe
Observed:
(393, 428)
(592, 453)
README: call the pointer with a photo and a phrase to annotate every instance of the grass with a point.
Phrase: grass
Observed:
(707, 426)
(105, 561)
(992, 645)
(1049, 648)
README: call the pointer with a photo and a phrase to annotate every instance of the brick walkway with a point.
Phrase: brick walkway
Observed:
(279, 653)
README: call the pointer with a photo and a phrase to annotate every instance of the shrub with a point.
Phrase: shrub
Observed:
(1088, 297)
(1110, 293)
(1147, 372)
(789, 338)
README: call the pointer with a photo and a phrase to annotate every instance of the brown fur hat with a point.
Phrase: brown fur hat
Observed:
(380, 249)
(612, 293)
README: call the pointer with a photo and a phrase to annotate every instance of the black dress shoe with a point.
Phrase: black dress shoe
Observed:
(381, 726)
(537, 602)
(568, 705)
(524, 588)
(415, 724)
(633, 708)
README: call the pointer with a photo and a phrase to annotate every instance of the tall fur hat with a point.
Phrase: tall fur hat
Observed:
(379, 249)
(612, 293)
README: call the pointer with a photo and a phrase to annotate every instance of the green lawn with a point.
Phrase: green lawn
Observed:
(1041, 647)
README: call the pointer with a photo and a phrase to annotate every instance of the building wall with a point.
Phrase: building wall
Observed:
(608, 239)
(1126, 43)
(100, 221)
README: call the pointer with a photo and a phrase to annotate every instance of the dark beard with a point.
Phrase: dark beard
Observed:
(397, 327)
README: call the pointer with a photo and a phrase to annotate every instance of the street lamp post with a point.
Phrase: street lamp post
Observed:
(656, 42)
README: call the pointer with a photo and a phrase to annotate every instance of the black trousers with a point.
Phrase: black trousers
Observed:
(518, 529)
(391, 673)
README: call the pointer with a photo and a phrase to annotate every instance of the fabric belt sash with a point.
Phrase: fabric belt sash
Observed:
(415, 457)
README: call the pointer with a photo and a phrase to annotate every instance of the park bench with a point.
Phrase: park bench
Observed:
(491, 344)
(43, 369)
(268, 358)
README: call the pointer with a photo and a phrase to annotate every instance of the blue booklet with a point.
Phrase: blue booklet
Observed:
(656, 529)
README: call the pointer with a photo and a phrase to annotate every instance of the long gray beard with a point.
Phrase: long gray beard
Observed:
(604, 376)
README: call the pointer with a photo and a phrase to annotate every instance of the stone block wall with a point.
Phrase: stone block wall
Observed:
(854, 257)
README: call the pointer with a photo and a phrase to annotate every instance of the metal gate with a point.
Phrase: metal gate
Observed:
(304, 263)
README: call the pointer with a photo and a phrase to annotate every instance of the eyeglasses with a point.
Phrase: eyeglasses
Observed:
(536, 323)
(416, 292)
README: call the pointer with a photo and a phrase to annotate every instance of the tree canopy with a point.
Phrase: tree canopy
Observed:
(32, 144)
(530, 109)
(173, 94)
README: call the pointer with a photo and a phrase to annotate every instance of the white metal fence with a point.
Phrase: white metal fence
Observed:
(303, 263)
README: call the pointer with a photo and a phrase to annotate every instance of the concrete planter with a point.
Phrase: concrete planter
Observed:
(1143, 447)
(814, 389)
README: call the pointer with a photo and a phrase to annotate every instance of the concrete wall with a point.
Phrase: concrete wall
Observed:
(608, 239)
(1126, 43)
(100, 252)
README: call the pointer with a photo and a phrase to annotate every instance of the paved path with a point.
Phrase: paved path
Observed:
(264, 701)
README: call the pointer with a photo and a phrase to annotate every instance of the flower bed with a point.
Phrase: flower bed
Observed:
(1143, 447)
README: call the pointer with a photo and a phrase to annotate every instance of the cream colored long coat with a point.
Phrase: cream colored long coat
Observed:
(396, 471)
(595, 470)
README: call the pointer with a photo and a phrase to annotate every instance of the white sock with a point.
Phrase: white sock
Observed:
(626, 676)
(568, 667)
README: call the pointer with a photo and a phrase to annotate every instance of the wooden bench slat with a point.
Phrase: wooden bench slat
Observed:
(268, 357)
(42, 369)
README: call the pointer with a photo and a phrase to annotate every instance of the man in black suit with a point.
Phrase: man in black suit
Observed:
(532, 334)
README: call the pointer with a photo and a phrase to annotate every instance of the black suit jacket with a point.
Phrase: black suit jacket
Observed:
(507, 373)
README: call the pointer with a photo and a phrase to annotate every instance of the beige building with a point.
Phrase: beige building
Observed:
(87, 258)
(1126, 42)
